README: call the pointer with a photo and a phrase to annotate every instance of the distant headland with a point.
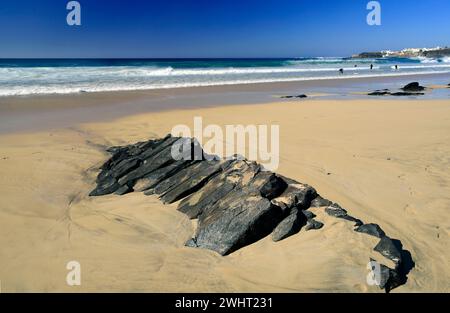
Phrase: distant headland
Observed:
(437, 52)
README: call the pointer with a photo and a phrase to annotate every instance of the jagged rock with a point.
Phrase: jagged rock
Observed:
(105, 186)
(371, 229)
(295, 195)
(357, 221)
(269, 184)
(238, 173)
(236, 201)
(335, 210)
(395, 94)
(243, 216)
(308, 214)
(391, 278)
(239, 219)
(289, 225)
(313, 224)
(152, 179)
(297, 96)
(412, 89)
(201, 201)
(318, 202)
(181, 176)
(379, 93)
(387, 278)
(414, 86)
(123, 190)
(193, 183)
(124, 167)
(124, 160)
(388, 249)
(406, 93)
(160, 159)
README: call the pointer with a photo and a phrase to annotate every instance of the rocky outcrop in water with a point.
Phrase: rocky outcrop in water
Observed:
(411, 89)
(368, 55)
(296, 96)
(235, 201)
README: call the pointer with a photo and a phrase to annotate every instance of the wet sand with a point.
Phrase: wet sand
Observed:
(41, 112)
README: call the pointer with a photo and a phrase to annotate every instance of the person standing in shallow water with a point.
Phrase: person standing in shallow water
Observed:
(371, 66)
(341, 71)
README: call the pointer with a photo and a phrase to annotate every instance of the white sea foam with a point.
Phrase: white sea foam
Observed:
(63, 78)
(425, 60)
(100, 86)
(59, 72)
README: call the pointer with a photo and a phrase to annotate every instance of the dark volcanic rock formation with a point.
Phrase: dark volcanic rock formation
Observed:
(235, 201)
(388, 249)
(406, 93)
(241, 218)
(289, 226)
(395, 94)
(411, 89)
(336, 211)
(318, 202)
(379, 93)
(371, 229)
(414, 87)
(313, 224)
(297, 96)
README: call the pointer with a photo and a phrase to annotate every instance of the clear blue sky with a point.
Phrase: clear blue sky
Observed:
(218, 28)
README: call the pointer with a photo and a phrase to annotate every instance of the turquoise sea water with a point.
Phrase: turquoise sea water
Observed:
(62, 76)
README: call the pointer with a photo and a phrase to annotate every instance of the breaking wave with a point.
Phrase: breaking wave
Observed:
(25, 77)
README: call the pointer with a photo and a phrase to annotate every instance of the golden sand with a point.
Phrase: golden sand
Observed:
(386, 162)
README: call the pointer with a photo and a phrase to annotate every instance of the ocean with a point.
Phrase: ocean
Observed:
(64, 76)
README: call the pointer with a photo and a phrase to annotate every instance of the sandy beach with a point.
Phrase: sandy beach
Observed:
(386, 161)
